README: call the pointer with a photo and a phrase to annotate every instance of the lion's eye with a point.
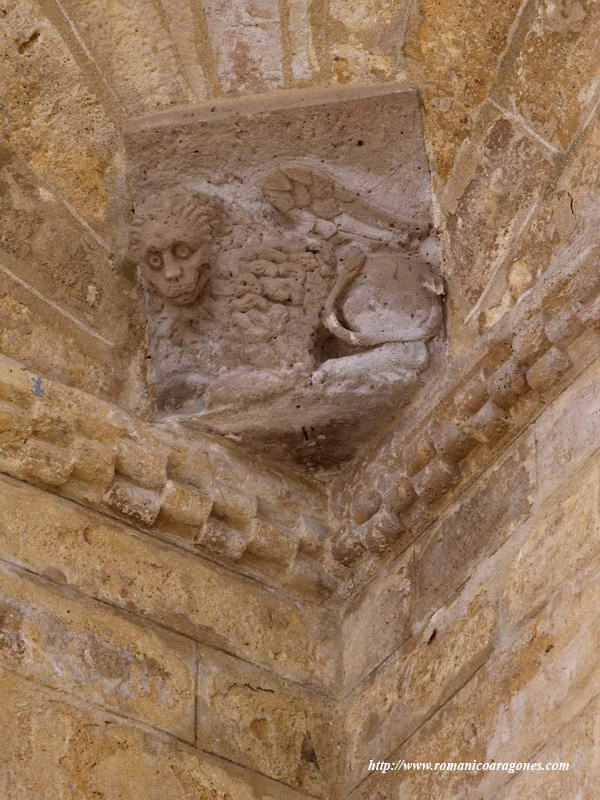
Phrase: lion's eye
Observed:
(182, 251)
(155, 260)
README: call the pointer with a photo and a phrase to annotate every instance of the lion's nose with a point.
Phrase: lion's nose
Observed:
(172, 268)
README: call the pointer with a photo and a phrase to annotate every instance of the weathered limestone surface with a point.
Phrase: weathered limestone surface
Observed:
(527, 632)
(186, 25)
(474, 528)
(517, 581)
(497, 181)
(247, 41)
(405, 480)
(106, 561)
(130, 42)
(562, 538)
(563, 225)
(52, 748)
(378, 622)
(366, 39)
(554, 50)
(454, 49)
(84, 648)
(253, 718)
(385, 710)
(563, 443)
(200, 494)
(533, 83)
(66, 310)
(299, 40)
(50, 116)
(577, 744)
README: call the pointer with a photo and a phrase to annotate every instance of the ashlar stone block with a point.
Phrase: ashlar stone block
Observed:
(453, 48)
(578, 746)
(131, 44)
(563, 226)
(47, 105)
(72, 752)
(378, 621)
(255, 719)
(562, 537)
(533, 686)
(563, 442)
(102, 656)
(167, 585)
(548, 76)
(474, 527)
(247, 39)
(412, 683)
(497, 179)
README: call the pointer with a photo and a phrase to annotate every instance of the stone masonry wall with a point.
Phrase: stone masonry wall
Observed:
(478, 642)
(137, 661)
(133, 668)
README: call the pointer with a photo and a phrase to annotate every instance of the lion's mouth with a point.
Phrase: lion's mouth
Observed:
(187, 289)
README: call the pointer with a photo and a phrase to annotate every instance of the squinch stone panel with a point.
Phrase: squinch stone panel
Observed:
(288, 265)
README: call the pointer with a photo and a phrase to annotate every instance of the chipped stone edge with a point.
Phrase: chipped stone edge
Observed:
(69, 442)
(219, 108)
(494, 392)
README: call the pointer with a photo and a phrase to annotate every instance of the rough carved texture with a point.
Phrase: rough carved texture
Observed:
(481, 406)
(96, 454)
(286, 295)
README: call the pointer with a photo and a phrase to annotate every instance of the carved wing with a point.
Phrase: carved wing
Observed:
(295, 188)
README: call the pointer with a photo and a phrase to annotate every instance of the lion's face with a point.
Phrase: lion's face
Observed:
(173, 244)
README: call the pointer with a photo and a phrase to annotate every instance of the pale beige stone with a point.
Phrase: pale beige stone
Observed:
(377, 623)
(174, 588)
(567, 433)
(433, 598)
(131, 43)
(475, 527)
(563, 220)
(522, 697)
(97, 653)
(454, 49)
(184, 22)
(46, 106)
(412, 683)
(48, 262)
(52, 748)
(257, 327)
(562, 538)
(184, 509)
(45, 245)
(252, 718)
(498, 178)
(303, 57)
(578, 746)
(247, 39)
(366, 39)
(553, 48)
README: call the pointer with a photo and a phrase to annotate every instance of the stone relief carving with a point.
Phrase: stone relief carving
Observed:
(286, 250)
(312, 310)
